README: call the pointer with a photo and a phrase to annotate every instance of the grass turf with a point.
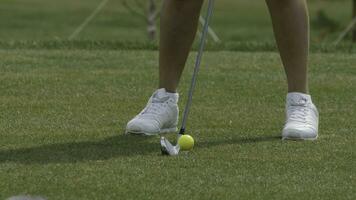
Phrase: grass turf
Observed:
(63, 114)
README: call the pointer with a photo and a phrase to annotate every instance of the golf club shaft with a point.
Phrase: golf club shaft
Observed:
(197, 66)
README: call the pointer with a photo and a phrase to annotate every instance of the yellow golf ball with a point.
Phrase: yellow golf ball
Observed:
(186, 142)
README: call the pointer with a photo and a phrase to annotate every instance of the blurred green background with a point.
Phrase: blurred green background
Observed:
(234, 20)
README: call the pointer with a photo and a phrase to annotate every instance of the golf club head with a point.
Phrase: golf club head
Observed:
(168, 149)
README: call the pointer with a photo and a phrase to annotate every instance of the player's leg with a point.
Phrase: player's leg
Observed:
(178, 27)
(179, 22)
(291, 26)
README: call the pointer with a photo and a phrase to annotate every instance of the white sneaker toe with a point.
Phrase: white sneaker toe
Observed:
(299, 132)
(142, 127)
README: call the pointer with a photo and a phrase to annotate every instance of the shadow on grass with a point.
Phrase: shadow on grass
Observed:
(112, 147)
(240, 140)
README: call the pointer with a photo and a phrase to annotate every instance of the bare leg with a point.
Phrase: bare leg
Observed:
(179, 23)
(291, 26)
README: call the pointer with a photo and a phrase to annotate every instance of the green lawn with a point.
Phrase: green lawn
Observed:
(63, 114)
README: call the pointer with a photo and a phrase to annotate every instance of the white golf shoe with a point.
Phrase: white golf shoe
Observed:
(159, 116)
(302, 118)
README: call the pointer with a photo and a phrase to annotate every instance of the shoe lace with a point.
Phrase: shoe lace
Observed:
(155, 107)
(299, 113)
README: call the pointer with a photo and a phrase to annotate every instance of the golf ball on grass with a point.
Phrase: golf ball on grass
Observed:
(186, 142)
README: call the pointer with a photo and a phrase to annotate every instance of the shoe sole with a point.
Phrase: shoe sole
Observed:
(163, 131)
(298, 138)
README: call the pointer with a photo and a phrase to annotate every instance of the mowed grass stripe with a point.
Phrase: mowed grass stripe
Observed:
(243, 46)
